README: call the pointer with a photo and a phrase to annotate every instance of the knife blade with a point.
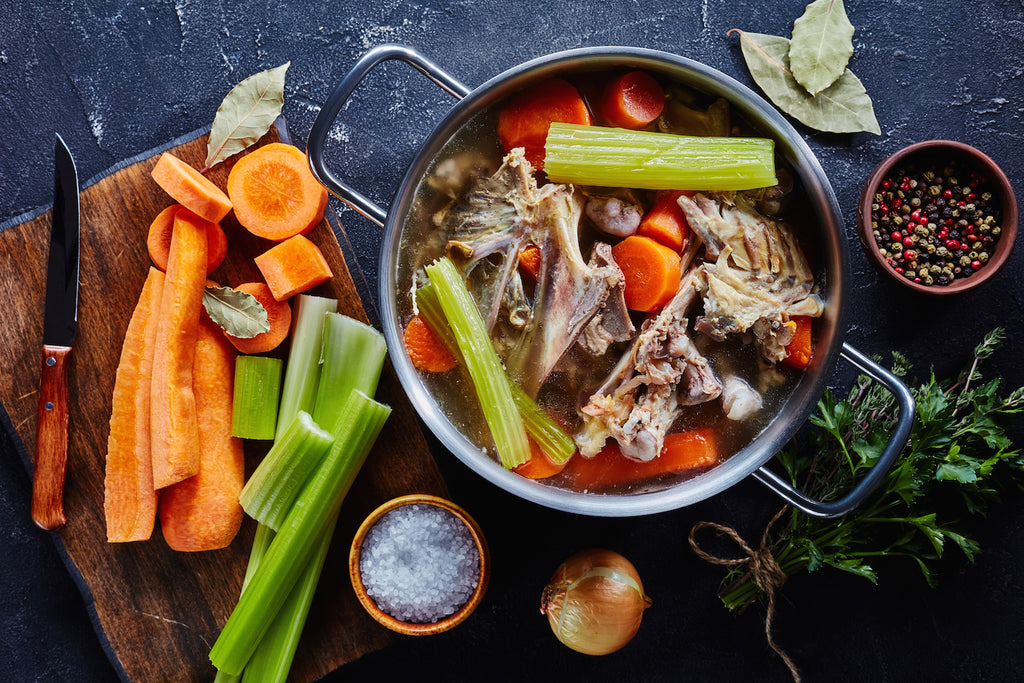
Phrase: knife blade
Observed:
(60, 320)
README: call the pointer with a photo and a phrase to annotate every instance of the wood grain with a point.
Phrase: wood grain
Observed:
(161, 610)
(51, 440)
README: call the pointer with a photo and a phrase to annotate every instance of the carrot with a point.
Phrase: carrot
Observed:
(274, 193)
(651, 270)
(683, 451)
(800, 349)
(293, 266)
(425, 349)
(666, 222)
(173, 407)
(279, 315)
(539, 466)
(158, 242)
(129, 500)
(190, 188)
(529, 262)
(524, 121)
(632, 101)
(203, 512)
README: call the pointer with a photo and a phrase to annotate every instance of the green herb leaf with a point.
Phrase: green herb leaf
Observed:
(239, 314)
(821, 46)
(246, 114)
(843, 107)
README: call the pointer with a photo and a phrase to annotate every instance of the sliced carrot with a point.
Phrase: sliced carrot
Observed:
(274, 193)
(529, 262)
(190, 188)
(129, 499)
(203, 512)
(800, 349)
(683, 451)
(319, 215)
(173, 418)
(158, 242)
(425, 349)
(651, 271)
(524, 120)
(279, 315)
(666, 222)
(540, 466)
(632, 100)
(293, 266)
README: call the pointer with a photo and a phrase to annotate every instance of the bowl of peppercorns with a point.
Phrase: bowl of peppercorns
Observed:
(939, 217)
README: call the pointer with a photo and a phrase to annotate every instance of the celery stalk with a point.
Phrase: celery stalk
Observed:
(303, 371)
(353, 356)
(482, 362)
(257, 392)
(616, 157)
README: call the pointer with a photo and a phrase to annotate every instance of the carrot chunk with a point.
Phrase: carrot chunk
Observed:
(524, 121)
(274, 193)
(800, 349)
(279, 315)
(293, 266)
(651, 270)
(683, 451)
(425, 349)
(666, 222)
(529, 262)
(190, 188)
(632, 100)
(539, 466)
(158, 241)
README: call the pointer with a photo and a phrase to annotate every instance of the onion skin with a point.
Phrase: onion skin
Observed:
(594, 602)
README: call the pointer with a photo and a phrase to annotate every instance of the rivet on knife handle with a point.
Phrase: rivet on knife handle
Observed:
(51, 440)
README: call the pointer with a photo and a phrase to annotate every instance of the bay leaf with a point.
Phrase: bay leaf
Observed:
(843, 107)
(246, 113)
(240, 314)
(821, 46)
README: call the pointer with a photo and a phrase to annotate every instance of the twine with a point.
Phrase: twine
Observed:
(766, 572)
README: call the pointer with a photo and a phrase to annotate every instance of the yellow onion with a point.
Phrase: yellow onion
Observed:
(595, 601)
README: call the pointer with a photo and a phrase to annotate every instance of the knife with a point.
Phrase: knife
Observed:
(59, 323)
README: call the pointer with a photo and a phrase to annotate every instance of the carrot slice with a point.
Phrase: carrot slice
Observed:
(539, 466)
(632, 100)
(190, 188)
(800, 349)
(651, 271)
(425, 349)
(683, 451)
(666, 222)
(293, 266)
(274, 193)
(173, 416)
(524, 121)
(203, 512)
(158, 242)
(529, 262)
(279, 315)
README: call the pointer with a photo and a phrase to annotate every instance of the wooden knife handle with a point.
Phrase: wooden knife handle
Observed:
(51, 440)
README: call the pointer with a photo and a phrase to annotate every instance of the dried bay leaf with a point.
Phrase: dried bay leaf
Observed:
(821, 46)
(239, 314)
(843, 107)
(246, 113)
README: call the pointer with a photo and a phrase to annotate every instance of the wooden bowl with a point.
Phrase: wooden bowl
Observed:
(942, 152)
(409, 628)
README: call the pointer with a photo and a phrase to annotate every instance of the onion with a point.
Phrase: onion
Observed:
(595, 601)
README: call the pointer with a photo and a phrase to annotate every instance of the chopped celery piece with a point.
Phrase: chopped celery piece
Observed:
(302, 374)
(274, 486)
(257, 390)
(353, 356)
(482, 362)
(616, 157)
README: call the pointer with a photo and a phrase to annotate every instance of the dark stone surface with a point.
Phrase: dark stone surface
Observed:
(116, 79)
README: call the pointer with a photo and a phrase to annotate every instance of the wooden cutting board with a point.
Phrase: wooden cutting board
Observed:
(160, 610)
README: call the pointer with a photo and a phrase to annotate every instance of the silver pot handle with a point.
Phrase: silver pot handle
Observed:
(333, 105)
(878, 472)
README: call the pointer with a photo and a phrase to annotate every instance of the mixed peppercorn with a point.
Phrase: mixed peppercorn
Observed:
(937, 225)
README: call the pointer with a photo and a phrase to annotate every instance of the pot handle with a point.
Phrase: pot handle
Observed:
(881, 468)
(333, 105)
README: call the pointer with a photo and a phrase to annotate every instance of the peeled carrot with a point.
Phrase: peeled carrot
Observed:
(274, 193)
(190, 188)
(683, 451)
(279, 315)
(666, 222)
(632, 100)
(651, 271)
(539, 466)
(425, 349)
(173, 419)
(524, 121)
(203, 512)
(158, 242)
(529, 262)
(293, 266)
(129, 499)
(800, 349)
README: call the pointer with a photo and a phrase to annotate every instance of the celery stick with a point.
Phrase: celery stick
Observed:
(303, 371)
(257, 391)
(275, 484)
(482, 363)
(353, 356)
(616, 157)
(295, 542)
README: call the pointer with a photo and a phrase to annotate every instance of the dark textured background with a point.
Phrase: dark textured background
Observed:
(118, 78)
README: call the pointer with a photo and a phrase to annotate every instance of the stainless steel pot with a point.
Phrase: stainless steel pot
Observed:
(822, 205)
